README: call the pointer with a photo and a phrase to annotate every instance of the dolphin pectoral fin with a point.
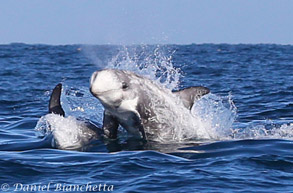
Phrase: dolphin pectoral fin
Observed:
(54, 104)
(110, 126)
(141, 129)
(190, 94)
(139, 125)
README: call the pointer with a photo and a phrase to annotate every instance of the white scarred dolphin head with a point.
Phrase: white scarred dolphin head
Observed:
(113, 88)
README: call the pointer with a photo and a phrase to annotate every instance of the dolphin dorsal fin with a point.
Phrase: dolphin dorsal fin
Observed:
(190, 94)
(55, 105)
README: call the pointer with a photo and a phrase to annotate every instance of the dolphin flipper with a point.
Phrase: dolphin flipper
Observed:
(55, 105)
(110, 125)
(190, 94)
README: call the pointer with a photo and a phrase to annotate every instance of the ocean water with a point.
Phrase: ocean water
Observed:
(245, 126)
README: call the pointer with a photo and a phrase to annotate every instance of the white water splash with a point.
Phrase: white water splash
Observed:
(152, 62)
(264, 130)
(68, 132)
(215, 116)
(210, 118)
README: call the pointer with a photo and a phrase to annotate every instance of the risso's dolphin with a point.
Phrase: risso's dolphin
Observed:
(138, 103)
(85, 132)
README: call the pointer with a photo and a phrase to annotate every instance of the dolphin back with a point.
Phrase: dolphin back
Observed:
(55, 105)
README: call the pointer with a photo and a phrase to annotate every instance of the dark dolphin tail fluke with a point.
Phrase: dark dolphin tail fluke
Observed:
(55, 105)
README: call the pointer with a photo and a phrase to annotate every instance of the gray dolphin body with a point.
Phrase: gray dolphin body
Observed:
(88, 131)
(137, 103)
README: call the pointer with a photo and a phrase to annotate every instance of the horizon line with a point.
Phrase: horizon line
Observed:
(136, 44)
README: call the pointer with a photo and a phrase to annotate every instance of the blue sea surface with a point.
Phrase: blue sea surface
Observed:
(256, 156)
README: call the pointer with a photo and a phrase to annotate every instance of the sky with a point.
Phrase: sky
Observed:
(146, 21)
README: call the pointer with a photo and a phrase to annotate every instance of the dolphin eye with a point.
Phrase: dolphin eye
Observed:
(124, 85)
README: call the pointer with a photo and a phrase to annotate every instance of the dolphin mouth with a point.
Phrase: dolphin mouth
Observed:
(101, 93)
